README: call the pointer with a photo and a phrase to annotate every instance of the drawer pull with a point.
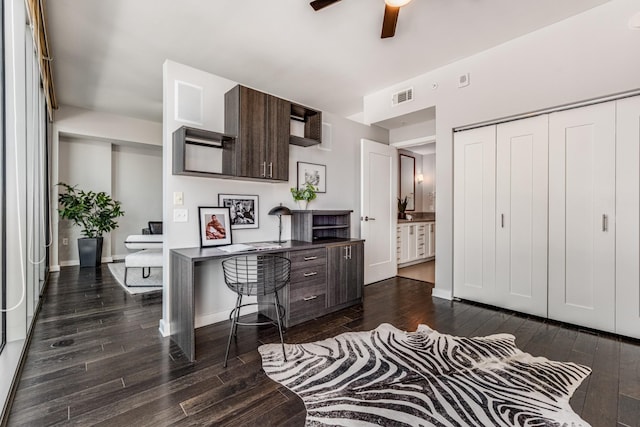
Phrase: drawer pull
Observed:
(312, 297)
(313, 273)
(310, 258)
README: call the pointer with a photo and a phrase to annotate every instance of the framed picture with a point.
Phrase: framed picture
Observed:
(243, 208)
(215, 226)
(314, 174)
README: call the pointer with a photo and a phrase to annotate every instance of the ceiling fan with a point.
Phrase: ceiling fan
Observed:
(391, 11)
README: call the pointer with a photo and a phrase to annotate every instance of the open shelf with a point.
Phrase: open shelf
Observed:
(321, 225)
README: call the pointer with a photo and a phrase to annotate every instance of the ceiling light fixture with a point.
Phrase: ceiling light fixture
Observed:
(634, 22)
(396, 3)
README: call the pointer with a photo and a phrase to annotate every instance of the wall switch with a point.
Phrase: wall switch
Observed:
(180, 215)
(65, 241)
(178, 198)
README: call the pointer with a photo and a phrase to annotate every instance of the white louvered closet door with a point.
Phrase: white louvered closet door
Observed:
(582, 216)
(474, 214)
(628, 217)
(521, 204)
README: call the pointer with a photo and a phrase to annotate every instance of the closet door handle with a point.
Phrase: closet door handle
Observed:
(502, 220)
(605, 222)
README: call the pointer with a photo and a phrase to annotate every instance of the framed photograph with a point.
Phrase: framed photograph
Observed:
(215, 226)
(243, 208)
(314, 174)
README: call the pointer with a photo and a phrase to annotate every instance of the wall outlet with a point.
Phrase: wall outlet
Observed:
(180, 215)
(65, 241)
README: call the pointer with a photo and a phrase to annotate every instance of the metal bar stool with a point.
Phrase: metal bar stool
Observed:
(256, 275)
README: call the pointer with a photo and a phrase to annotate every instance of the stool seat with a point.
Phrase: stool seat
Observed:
(256, 275)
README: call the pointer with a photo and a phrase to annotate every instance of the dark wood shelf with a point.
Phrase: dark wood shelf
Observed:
(320, 225)
(312, 125)
(187, 139)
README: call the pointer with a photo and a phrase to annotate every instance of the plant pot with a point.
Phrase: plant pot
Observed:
(90, 251)
(402, 215)
(302, 205)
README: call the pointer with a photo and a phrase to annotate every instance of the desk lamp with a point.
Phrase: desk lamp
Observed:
(279, 211)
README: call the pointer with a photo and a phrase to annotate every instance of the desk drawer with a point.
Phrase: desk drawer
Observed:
(309, 275)
(308, 307)
(309, 257)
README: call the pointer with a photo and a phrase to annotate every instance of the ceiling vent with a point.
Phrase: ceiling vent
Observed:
(401, 97)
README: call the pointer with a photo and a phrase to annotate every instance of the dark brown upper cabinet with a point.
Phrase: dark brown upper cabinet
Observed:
(261, 124)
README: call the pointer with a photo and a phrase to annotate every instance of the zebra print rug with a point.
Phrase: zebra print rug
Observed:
(393, 378)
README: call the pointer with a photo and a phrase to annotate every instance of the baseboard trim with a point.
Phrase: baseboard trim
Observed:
(442, 293)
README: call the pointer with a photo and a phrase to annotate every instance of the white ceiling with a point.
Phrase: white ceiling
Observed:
(108, 54)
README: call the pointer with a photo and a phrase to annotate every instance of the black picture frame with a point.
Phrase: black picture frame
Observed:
(214, 226)
(314, 173)
(245, 212)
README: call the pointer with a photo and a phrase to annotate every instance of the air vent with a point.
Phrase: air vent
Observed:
(403, 96)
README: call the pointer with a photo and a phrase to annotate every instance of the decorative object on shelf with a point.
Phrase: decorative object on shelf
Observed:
(303, 195)
(314, 174)
(215, 226)
(244, 210)
(96, 213)
(279, 211)
(402, 207)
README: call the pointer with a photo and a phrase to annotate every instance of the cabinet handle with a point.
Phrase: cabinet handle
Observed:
(313, 273)
(605, 222)
(349, 251)
(310, 258)
(270, 169)
(346, 252)
(411, 230)
(502, 220)
(312, 297)
(264, 169)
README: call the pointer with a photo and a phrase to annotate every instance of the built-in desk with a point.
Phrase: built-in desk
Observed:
(342, 269)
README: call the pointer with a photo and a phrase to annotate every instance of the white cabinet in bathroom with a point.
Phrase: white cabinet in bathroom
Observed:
(414, 242)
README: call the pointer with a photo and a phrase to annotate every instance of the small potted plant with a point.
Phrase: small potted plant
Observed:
(304, 195)
(402, 207)
(95, 213)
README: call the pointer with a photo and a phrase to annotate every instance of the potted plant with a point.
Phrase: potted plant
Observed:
(402, 207)
(95, 213)
(304, 195)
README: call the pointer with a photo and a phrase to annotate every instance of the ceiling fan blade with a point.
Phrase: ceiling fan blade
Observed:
(390, 20)
(321, 4)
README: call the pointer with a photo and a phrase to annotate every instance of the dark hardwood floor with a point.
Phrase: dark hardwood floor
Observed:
(97, 358)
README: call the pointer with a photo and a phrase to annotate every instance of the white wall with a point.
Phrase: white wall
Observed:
(95, 128)
(87, 164)
(213, 299)
(137, 184)
(590, 55)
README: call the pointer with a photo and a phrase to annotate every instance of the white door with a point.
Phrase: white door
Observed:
(379, 189)
(474, 213)
(582, 216)
(628, 217)
(521, 203)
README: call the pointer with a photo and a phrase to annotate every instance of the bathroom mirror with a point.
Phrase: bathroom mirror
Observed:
(407, 180)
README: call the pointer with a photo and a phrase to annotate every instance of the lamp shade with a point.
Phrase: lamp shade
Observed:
(280, 210)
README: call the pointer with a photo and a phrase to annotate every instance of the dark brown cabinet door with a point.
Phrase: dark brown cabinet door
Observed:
(345, 273)
(261, 123)
(277, 140)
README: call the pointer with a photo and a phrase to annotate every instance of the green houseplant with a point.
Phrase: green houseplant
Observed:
(95, 213)
(402, 207)
(304, 195)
